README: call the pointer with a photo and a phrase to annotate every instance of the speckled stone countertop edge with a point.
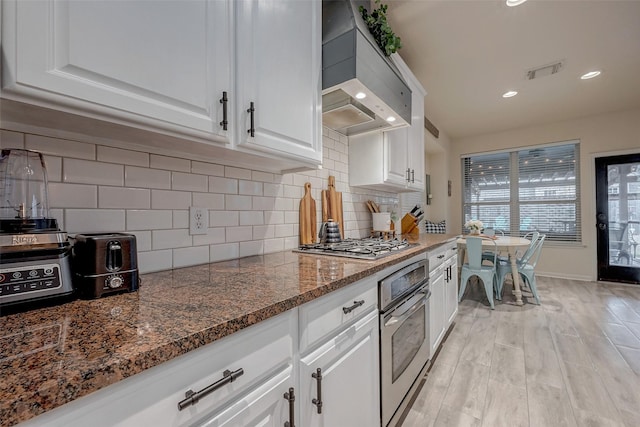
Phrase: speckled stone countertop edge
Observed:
(78, 385)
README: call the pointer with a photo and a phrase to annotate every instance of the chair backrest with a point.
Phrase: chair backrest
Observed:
(534, 236)
(474, 251)
(532, 257)
(489, 231)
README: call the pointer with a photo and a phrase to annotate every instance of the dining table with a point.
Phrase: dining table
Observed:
(507, 244)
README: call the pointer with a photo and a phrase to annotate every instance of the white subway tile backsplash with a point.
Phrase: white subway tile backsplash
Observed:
(127, 198)
(147, 178)
(237, 203)
(87, 172)
(155, 261)
(239, 234)
(169, 163)
(60, 147)
(123, 157)
(9, 139)
(62, 195)
(166, 199)
(54, 168)
(223, 218)
(190, 256)
(143, 240)
(149, 219)
(224, 252)
(251, 218)
(209, 200)
(213, 236)
(94, 220)
(254, 247)
(180, 219)
(263, 203)
(95, 188)
(203, 168)
(189, 182)
(167, 239)
(249, 188)
(223, 185)
(238, 173)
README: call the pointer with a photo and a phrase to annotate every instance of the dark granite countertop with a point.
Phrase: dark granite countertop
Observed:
(53, 355)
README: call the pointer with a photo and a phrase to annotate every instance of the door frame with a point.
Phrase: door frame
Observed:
(605, 271)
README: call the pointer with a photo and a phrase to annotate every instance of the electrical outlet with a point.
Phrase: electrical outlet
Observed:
(198, 220)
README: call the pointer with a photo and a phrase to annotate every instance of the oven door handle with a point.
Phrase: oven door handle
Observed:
(415, 307)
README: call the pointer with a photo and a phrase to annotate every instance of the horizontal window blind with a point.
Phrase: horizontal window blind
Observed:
(521, 191)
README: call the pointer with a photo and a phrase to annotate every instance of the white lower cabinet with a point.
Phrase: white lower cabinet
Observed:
(335, 335)
(443, 282)
(343, 375)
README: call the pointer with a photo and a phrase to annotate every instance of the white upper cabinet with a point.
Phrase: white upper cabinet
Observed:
(279, 71)
(392, 160)
(163, 67)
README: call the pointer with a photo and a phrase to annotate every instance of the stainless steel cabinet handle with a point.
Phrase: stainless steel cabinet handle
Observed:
(192, 397)
(408, 174)
(224, 100)
(291, 398)
(252, 130)
(355, 305)
(318, 401)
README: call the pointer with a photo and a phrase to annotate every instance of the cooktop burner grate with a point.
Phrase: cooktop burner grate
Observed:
(368, 248)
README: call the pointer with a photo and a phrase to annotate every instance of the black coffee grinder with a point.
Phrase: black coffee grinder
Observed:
(34, 254)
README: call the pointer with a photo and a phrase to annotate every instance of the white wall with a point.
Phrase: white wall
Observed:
(96, 188)
(437, 160)
(601, 135)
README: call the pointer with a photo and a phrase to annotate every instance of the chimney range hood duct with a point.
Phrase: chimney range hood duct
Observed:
(352, 63)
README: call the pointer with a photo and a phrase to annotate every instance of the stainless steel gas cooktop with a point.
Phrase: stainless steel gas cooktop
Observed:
(369, 248)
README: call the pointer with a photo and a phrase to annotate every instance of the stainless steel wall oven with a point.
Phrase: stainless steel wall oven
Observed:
(404, 335)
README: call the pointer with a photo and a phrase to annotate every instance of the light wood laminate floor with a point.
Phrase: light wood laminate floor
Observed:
(572, 361)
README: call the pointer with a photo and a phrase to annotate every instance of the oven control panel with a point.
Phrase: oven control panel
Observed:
(20, 280)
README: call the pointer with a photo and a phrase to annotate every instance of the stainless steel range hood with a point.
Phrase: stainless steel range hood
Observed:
(353, 64)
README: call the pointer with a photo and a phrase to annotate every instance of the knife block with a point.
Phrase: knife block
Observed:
(409, 225)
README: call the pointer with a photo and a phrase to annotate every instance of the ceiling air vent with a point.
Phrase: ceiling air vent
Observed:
(546, 70)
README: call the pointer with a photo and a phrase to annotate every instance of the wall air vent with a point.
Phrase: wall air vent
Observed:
(546, 70)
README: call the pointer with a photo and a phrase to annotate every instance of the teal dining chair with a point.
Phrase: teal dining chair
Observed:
(526, 268)
(487, 274)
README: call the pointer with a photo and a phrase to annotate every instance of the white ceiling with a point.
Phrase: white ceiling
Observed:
(468, 53)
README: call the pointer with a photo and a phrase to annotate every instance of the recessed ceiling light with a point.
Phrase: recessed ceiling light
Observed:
(512, 3)
(391, 119)
(361, 95)
(590, 75)
(509, 94)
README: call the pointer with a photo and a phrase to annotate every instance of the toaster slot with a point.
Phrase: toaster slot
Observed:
(114, 256)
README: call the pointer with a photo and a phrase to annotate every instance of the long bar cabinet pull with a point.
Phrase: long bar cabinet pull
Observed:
(355, 305)
(252, 130)
(413, 175)
(318, 402)
(224, 100)
(291, 398)
(192, 397)
(408, 174)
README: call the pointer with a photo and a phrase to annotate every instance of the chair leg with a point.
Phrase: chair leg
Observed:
(488, 289)
(463, 285)
(532, 285)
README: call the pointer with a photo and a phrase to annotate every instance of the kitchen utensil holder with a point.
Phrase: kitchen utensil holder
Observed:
(409, 225)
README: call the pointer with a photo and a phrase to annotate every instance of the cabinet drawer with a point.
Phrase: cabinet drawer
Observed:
(151, 397)
(450, 251)
(326, 315)
(435, 259)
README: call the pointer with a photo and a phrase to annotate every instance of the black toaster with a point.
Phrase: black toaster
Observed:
(104, 264)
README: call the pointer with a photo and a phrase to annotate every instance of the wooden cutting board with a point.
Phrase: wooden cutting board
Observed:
(332, 204)
(308, 225)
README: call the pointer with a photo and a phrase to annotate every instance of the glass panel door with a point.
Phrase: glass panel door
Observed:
(618, 218)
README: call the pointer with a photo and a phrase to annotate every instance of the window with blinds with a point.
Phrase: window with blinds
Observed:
(532, 189)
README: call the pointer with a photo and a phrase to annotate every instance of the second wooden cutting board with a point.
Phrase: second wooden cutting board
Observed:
(332, 204)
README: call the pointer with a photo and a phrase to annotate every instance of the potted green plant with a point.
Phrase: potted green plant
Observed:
(378, 26)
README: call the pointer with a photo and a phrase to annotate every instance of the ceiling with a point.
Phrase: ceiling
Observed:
(468, 53)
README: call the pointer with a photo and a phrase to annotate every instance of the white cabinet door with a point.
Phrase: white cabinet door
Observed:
(279, 71)
(163, 66)
(395, 157)
(436, 308)
(451, 290)
(263, 407)
(349, 365)
(416, 140)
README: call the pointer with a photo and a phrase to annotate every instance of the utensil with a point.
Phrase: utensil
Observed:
(307, 217)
